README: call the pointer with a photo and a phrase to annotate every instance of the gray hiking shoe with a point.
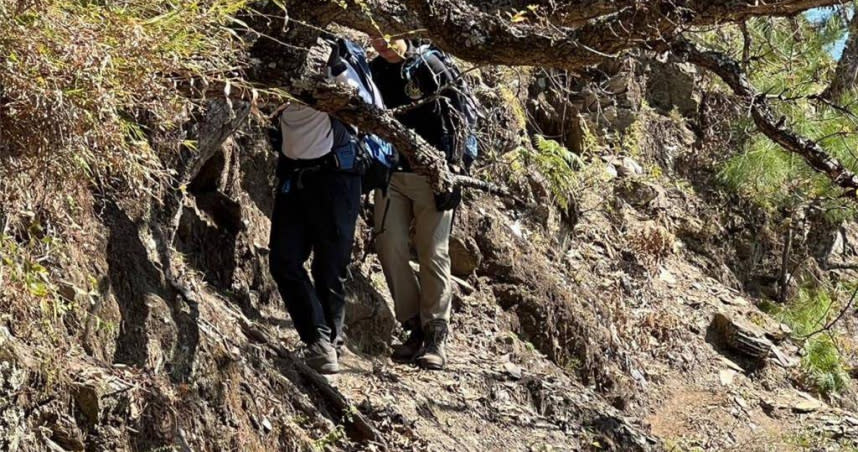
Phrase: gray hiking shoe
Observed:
(322, 357)
(434, 354)
(406, 351)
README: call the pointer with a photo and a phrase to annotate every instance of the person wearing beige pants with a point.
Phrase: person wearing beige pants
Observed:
(411, 75)
(421, 299)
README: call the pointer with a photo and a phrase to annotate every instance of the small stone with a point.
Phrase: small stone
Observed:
(806, 406)
(735, 301)
(266, 425)
(53, 446)
(782, 359)
(465, 256)
(780, 334)
(726, 376)
(636, 192)
(512, 370)
(611, 171)
(639, 377)
(731, 364)
(88, 401)
(629, 167)
(667, 277)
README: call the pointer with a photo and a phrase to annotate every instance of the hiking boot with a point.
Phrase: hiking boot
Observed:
(434, 355)
(406, 351)
(321, 356)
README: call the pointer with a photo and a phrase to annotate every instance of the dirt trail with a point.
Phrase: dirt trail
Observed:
(497, 392)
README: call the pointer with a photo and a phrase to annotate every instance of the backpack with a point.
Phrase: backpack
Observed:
(352, 151)
(375, 156)
(464, 102)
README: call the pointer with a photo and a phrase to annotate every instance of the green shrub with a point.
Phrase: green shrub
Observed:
(557, 163)
(822, 364)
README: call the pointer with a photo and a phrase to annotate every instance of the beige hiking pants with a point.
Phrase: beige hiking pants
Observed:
(426, 294)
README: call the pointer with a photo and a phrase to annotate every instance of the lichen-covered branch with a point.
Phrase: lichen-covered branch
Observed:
(557, 38)
(766, 119)
(343, 103)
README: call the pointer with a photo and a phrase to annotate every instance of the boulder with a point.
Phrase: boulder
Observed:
(671, 86)
(741, 336)
(465, 256)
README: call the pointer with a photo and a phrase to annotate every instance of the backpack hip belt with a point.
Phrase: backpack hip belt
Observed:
(291, 172)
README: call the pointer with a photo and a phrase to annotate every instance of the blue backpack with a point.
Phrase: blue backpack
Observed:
(375, 157)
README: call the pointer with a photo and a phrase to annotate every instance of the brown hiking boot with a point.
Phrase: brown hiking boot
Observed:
(321, 356)
(406, 351)
(434, 354)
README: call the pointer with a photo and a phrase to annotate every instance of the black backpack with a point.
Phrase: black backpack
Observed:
(465, 103)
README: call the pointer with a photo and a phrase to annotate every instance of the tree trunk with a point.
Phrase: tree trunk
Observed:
(846, 73)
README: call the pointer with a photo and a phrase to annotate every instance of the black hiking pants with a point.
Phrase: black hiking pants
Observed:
(318, 216)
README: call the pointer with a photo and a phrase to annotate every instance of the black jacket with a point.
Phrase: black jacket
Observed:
(436, 120)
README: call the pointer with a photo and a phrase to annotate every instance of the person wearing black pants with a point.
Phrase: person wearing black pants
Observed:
(315, 210)
(319, 217)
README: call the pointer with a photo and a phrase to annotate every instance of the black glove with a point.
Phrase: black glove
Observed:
(449, 200)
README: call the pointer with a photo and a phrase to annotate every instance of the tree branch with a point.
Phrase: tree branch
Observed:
(764, 117)
(600, 29)
(465, 29)
(834, 321)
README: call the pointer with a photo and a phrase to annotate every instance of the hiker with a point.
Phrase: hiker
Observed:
(316, 207)
(406, 73)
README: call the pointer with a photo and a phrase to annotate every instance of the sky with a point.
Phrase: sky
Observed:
(820, 14)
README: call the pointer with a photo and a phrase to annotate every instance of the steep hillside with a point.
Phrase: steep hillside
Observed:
(584, 328)
(627, 295)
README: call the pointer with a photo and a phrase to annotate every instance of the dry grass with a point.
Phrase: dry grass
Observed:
(82, 82)
(651, 243)
(89, 104)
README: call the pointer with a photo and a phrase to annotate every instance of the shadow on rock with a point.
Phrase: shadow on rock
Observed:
(133, 281)
(369, 321)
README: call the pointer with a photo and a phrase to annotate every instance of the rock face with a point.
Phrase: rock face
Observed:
(609, 103)
(741, 336)
(560, 337)
(671, 86)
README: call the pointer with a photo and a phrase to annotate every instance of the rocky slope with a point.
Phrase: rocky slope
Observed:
(591, 327)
